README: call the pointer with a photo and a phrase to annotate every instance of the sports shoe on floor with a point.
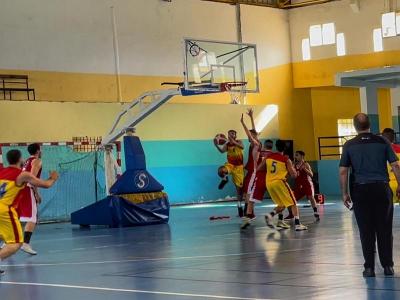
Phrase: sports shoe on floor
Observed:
(368, 272)
(223, 182)
(28, 249)
(246, 223)
(269, 221)
(388, 271)
(2, 272)
(282, 224)
(289, 217)
(2, 245)
(317, 218)
(300, 227)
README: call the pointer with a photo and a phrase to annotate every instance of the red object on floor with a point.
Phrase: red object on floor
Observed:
(320, 198)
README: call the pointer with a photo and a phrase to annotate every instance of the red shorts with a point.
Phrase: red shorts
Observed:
(248, 182)
(303, 190)
(258, 188)
(27, 206)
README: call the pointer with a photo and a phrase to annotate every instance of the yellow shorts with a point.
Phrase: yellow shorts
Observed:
(237, 173)
(281, 193)
(10, 226)
(393, 187)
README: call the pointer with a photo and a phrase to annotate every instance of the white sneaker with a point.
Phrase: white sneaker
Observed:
(28, 249)
(2, 245)
(301, 227)
(282, 224)
(269, 221)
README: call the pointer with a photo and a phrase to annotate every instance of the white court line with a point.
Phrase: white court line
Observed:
(126, 290)
(74, 238)
(141, 259)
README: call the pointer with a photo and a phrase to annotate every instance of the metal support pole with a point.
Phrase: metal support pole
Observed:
(116, 54)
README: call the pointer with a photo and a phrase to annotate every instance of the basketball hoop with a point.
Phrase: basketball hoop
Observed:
(236, 89)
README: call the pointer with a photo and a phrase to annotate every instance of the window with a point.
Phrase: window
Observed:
(315, 35)
(345, 131)
(305, 46)
(378, 41)
(340, 44)
(328, 34)
(389, 24)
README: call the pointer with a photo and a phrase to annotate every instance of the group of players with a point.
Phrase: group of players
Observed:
(266, 170)
(19, 198)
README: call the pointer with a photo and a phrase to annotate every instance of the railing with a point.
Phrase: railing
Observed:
(330, 147)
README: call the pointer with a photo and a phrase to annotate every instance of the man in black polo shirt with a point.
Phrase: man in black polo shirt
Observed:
(366, 156)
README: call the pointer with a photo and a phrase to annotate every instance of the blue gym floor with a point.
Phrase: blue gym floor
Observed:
(194, 258)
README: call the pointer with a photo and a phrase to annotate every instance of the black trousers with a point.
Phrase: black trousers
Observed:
(373, 208)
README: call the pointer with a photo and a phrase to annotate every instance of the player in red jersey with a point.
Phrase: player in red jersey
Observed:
(30, 197)
(250, 167)
(304, 186)
(12, 182)
(258, 186)
(389, 134)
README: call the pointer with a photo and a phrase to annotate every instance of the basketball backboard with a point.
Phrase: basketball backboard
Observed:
(211, 64)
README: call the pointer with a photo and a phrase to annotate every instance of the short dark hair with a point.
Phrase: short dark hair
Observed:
(269, 144)
(280, 145)
(13, 156)
(33, 148)
(389, 134)
(361, 122)
(300, 152)
(232, 130)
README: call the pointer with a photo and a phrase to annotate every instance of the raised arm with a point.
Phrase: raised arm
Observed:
(291, 169)
(252, 140)
(236, 143)
(250, 113)
(26, 177)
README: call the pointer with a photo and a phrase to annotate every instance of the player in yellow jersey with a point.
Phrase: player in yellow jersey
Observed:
(234, 165)
(12, 182)
(389, 134)
(278, 166)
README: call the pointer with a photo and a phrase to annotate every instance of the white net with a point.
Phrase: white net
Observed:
(236, 90)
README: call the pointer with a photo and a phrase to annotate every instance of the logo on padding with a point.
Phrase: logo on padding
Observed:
(141, 180)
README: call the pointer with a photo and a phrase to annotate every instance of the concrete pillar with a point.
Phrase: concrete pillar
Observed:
(369, 106)
(395, 99)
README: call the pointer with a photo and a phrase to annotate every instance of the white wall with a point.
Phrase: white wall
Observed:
(357, 27)
(269, 29)
(76, 35)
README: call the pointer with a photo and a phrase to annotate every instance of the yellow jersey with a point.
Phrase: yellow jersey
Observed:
(234, 155)
(276, 167)
(9, 190)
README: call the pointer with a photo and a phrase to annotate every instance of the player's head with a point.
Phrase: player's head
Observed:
(268, 145)
(361, 122)
(14, 158)
(389, 134)
(254, 133)
(280, 145)
(34, 149)
(299, 155)
(232, 134)
(222, 171)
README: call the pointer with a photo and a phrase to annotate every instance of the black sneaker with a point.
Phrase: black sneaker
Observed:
(223, 183)
(317, 218)
(2, 272)
(368, 272)
(388, 271)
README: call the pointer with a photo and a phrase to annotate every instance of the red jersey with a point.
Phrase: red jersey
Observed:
(28, 166)
(303, 178)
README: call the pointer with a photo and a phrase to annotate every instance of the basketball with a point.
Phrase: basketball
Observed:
(220, 139)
